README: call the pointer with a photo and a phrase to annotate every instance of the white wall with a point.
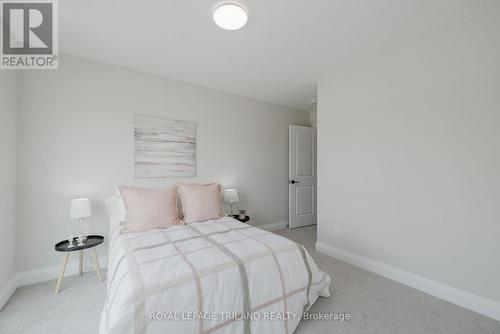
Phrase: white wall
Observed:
(76, 134)
(7, 176)
(409, 160)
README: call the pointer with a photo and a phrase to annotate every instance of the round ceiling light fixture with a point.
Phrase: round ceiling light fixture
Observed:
(230, 16)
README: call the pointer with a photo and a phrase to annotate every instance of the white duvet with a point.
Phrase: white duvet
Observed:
(219, 276)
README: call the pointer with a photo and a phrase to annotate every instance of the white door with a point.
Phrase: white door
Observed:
(302, 176)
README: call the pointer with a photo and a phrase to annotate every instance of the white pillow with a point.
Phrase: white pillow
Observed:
(116, 211)
(121, 214)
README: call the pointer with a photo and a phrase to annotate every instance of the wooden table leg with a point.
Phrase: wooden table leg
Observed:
(97, 267)
(61, 273)
(81, 262)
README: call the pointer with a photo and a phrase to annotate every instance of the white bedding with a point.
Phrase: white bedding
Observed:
(201, 278)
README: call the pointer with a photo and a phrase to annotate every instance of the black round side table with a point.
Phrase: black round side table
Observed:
(91, 242)
(237, 217)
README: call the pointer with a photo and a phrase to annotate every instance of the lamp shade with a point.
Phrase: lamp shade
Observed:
(80, 208)
(231, 196)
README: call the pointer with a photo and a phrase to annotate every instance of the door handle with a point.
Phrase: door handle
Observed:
(293, 182)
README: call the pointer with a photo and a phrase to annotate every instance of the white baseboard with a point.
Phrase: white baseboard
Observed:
(453, 295)
(41, 275)
(7, 291)
(52, 272)
(274, 226)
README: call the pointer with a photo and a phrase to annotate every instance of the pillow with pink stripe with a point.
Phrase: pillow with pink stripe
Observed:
(200, 202)
(147, 209)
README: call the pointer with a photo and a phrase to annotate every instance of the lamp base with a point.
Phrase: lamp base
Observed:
(82, 231)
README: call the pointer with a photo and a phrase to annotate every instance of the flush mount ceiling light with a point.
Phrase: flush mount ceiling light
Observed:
(230, 16)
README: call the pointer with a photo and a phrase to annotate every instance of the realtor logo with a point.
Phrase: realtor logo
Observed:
(29, 34)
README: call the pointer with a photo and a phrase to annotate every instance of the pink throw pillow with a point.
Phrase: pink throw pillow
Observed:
(200, 202)
(147, 209)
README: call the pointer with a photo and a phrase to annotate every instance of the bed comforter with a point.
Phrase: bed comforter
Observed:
(220, 276)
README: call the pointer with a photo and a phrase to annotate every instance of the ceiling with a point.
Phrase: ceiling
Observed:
(277, 57)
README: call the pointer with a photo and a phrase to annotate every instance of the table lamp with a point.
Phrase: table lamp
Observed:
(81, 209)
(231, 197)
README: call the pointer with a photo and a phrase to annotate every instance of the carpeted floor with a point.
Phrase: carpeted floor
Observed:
(375, 304)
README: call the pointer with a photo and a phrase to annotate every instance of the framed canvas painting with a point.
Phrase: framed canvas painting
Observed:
(164, 147)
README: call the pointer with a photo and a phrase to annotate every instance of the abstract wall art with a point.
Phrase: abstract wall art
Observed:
(164, 147)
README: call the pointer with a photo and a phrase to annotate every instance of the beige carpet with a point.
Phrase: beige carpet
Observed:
(376, 304)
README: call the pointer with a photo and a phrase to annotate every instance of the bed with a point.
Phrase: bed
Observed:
(219, 276)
